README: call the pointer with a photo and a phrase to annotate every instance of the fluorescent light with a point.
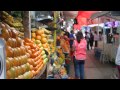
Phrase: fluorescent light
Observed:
(42, 15)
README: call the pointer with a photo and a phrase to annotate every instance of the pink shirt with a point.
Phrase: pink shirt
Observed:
(96, 37)
(80, 49)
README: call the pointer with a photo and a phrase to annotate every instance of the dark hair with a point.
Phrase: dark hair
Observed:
(71, 31)
(67, 34)
(86, 32)
(79, 36)
(91, 33)
(95, 32)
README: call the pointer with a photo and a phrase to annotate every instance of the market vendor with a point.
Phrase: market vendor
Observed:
(71, 38)
(71, 43)
(66, 50)
(58, 40)
(67, 64)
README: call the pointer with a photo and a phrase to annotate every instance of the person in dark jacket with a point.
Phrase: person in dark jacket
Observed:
(91, 40)
(87, 37)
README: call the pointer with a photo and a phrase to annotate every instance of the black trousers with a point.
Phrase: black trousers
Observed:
(88, 43)
(96, 43)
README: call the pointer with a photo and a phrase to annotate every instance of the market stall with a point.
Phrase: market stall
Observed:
(25, 58)
(110, 35)
(32, 52)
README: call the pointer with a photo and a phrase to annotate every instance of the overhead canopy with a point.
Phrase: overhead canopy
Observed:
(70, 14)
(99, 14)
(86, 14)
(111, 14)
(82, 18)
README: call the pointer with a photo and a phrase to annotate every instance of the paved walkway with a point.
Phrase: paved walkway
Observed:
(94, 69)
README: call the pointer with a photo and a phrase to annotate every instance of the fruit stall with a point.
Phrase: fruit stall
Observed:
(31, 58)
(25, 58)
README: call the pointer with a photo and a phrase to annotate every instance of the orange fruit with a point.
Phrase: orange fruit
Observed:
(29, 51)
(38, 37)
(31, 74)
(44, 40)
(31, 67)
(43, 35)
(19, 41)
(28, 55)
(34, 73)
(8, 74)
(33, 35)
(16, 72)
(7, 65)
(21, 77)
(33, 39)
(16, 61)
(39, 32)
(9, 51)
(19, 51)
(23, 50)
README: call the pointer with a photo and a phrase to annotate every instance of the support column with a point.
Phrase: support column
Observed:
(27, 24)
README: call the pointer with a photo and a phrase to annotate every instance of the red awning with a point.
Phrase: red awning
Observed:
(86, 14)
(82, 18)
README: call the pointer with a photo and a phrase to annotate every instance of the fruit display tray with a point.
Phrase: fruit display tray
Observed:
(40, 73)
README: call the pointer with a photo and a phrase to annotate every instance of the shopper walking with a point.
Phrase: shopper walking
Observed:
(91, 40)
(71, 44)
(117, 61)
(71, 38)
(100, 36)
(96, 38)
(79, 48)
(87, 37)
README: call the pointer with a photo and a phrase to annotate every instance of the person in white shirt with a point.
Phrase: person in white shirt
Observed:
(117, 60)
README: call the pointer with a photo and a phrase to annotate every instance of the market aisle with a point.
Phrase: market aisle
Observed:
(94, 69)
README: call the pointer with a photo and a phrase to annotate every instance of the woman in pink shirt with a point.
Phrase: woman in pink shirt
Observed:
(79, 47)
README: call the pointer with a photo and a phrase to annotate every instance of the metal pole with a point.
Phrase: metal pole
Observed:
(27, 24)
(98, 25)
(30, 24)
(55, 19)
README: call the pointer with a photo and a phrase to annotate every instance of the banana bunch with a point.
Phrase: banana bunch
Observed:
(10, 20)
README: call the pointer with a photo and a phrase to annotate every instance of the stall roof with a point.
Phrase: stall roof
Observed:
(70, 14)
(84, 16)
(104, 13)
(99, 14)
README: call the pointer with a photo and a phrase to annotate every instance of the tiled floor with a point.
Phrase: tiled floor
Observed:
(94, 69)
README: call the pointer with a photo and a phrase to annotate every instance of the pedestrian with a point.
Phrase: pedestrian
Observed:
(117, 61)
(58, 41)
(66, 50)
(96, 38)
(87, 37)
(100, 36)
(67, 63)
(71, 43)
(91, 40)
(79, 48)
(71, 38)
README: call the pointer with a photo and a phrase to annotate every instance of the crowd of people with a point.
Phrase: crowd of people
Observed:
(75, 46)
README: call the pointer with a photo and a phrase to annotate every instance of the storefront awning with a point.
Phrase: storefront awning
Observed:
(99, 14)
(83, 17)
